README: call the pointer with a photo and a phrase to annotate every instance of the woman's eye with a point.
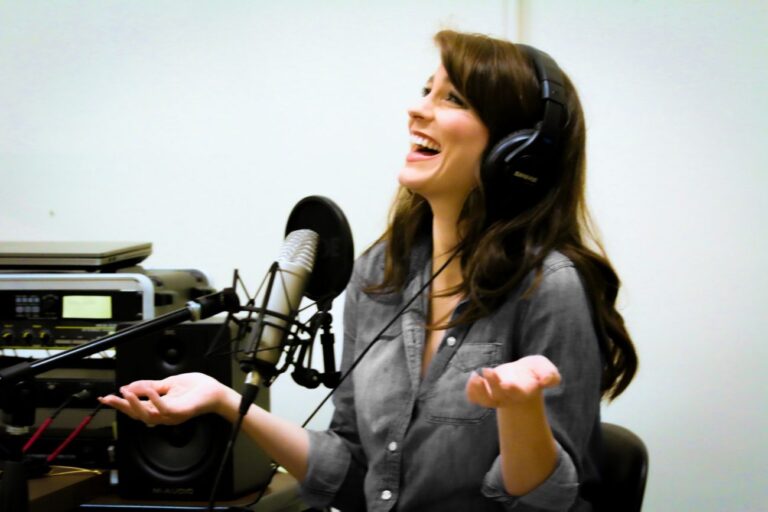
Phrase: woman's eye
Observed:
(454, 98)
(450, 96)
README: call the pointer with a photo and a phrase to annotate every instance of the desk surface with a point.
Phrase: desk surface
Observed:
(61, 492)
(90, 492)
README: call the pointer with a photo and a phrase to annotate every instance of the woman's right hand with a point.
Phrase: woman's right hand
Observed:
(178, 398)
(170, 401)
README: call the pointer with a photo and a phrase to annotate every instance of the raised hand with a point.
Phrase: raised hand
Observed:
(169, 401)
(513, 383)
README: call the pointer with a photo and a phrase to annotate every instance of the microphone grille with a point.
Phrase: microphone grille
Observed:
(299, 248)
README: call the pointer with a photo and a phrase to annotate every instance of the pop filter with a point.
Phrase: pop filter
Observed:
(335, 251)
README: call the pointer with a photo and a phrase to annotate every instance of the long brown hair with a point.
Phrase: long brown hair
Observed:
(507, 231)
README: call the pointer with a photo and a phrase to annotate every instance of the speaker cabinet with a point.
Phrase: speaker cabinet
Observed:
(180, 462)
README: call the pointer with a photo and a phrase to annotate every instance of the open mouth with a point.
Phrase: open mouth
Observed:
(424, 146)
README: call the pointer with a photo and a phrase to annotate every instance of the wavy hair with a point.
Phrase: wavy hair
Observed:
(507, 231)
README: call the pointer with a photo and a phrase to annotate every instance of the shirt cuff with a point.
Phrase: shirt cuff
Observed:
(327, 467)
(557, 492)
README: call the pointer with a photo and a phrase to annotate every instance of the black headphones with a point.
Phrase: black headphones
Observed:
(521, 156)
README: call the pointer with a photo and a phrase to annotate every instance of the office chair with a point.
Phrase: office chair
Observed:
(624, 469)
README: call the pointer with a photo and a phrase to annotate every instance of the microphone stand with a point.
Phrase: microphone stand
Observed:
(14, 492)
(19, 414)
(331, 377)
(303, 374)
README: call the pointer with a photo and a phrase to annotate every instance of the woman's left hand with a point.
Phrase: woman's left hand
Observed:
(513, 383)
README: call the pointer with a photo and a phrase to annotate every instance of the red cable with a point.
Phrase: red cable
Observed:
(73, 435)
(37, 434)
(46, 423)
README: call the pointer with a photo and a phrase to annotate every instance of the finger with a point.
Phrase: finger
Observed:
(477, 378)
(140, 409)
(513, 382)
(109, 400)
(549, 379)
(493, 382)
(544, 370)
(119, 404)
(163, 386)
(477, 391)
(139, 387)
(113, 401)
(477, 383)
(157, 401)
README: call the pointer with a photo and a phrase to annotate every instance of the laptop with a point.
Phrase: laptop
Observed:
(88, 256)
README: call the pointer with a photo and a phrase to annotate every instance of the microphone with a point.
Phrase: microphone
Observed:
(288, 280)
(321, 277)
(316, 261)
(335, 251)
(289, 276)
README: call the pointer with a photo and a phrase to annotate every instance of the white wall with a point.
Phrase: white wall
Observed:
(675, 100)
(197, 126)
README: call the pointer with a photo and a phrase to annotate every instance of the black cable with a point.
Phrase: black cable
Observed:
(356, 362)
(227, 453)
(238, 424)
(250, 392)
(377, 338)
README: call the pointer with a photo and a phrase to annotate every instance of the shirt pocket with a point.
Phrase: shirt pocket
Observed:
(447, 401)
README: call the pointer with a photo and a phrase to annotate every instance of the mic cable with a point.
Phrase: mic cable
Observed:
(80, 395)
(377, 338)
(84, 423)
(354, 364)
(288, 276)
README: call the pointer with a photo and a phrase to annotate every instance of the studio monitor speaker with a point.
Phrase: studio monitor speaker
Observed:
(180, 462)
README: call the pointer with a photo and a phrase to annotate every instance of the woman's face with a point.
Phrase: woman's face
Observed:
(447, 142)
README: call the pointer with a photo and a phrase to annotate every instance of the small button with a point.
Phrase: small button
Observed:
(392, 446)
(451, 341)
(386, 495)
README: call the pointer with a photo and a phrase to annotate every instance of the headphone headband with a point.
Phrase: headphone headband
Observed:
(552, 95)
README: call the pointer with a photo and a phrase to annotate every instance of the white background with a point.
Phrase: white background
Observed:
(197, 125)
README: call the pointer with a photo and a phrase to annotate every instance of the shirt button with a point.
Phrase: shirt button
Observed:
(392, 446)
(451, 341)
(386, 495)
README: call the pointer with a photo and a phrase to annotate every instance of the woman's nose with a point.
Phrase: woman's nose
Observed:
(422, 109)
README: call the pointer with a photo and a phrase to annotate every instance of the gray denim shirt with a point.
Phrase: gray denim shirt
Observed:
(398, 441)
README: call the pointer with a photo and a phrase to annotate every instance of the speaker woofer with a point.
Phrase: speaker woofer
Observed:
(180, 462)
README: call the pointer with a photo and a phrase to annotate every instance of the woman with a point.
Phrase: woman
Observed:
(486, 394)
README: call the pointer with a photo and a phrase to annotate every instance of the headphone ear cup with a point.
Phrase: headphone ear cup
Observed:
(510, 174)
(505, 155)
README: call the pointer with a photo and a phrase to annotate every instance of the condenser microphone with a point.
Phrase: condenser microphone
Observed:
(316, 262)
(289, 276)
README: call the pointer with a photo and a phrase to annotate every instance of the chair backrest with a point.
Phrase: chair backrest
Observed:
(624, 470)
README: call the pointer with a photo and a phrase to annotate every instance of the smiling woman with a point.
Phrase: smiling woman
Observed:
(485, 395)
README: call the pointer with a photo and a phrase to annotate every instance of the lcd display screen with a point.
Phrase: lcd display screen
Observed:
(92, 307)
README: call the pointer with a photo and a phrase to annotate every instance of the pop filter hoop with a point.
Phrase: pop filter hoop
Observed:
(335, 251)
